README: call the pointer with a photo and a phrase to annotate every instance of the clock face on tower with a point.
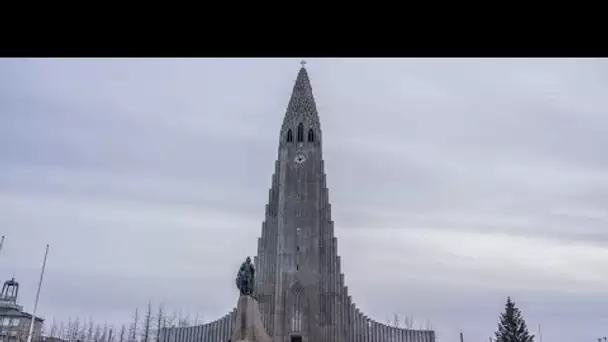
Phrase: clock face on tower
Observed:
(299, 159)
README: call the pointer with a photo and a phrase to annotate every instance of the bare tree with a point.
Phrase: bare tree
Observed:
(145, 333)
(133, 329)
(395, 320)
(54, 328)
(196, 320)
(75, 330)
(82, 334)
(89, 337)
(61, 331)
(179, 319)
(104, 334)
(408, 322)
(97, 333)
(160, 322)
(68, 333)
(122, 333)
(183, 321)
(172, 320)
(131, 335)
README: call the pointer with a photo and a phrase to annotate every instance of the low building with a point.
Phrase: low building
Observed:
(14, 322)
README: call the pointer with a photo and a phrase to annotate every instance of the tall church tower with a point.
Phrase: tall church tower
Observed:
(299, 285)
(297, 250)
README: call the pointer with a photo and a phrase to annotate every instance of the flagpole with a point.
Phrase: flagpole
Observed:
(29, 335)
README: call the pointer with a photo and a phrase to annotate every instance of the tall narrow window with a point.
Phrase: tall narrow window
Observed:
(300, 132)
(311, 135)
(289, 136)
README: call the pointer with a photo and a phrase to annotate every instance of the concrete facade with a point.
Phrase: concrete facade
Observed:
(299, 284)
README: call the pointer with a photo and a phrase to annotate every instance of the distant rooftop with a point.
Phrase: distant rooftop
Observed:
(8, 301)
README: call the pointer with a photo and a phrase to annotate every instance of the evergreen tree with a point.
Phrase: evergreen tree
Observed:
(512, 327)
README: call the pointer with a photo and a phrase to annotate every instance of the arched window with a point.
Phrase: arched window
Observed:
(297, 314)
(289, 136)
(311, 135)
(300, 132)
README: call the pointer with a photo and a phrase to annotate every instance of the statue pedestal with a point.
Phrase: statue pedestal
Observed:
(248, 326)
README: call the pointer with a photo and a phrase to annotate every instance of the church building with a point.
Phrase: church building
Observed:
(298, 282)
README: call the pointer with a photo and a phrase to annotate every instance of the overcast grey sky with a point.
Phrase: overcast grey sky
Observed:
(454, 183)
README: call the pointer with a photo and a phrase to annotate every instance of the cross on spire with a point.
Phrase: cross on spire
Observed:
(303, 63)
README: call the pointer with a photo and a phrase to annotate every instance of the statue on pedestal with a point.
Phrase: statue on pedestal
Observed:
(248, 325)
(245, 278)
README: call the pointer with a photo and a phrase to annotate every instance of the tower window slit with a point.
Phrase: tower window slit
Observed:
(300, 132)
(289, 136)
(311, 135)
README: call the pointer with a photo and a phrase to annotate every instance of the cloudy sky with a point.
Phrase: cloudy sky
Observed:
(454, 184)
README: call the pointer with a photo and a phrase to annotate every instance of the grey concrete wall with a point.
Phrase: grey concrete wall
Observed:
(216, 331)
(364, 329)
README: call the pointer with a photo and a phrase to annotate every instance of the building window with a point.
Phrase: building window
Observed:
(297, 317)
(311, 135)
(297, 267)
(298, 213)
(298, 231)
(298, 249)
(289, 136)
(300, 132)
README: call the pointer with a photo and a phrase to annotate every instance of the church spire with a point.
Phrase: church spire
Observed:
(302, 109)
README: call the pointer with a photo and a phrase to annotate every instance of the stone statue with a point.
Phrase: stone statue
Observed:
(245, 278)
